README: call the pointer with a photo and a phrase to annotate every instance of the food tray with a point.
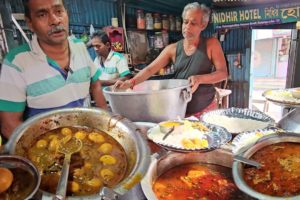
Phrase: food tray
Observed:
(282, 97)
(261, 119)
(216, 136)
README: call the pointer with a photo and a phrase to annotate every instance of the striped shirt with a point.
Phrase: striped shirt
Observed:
(115, 66)
(31, 80)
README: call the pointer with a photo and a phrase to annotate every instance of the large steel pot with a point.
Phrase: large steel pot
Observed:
(161, 165)
(237, 168)
(151, 101)
(290, 121)
(119, 128)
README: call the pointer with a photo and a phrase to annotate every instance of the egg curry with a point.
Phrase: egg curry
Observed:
(100, 162)
(6, 179)
(12, 184)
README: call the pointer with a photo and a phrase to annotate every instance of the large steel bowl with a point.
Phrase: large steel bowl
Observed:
(121, 129)
(161, 165)
(290, 121)
(151, 101)
(237, 168)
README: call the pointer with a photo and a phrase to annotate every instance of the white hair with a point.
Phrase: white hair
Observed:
(205, 10)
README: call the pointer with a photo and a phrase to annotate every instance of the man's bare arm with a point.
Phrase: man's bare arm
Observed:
(9, 121)
(161, 61)
(216, 55)
(164, 58)
(113, 81)
(97, 94)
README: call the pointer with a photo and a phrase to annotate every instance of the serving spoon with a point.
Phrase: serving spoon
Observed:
(68, 147)
(168, 132)
(247, 161)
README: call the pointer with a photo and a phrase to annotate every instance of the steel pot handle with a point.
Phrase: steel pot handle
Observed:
(108, 194)
(141, 133)
(3, 150)
(187, 94)
(115, 118)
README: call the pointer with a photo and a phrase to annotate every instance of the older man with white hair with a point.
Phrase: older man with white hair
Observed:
(194, 58)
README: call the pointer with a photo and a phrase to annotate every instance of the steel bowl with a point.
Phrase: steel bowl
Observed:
(12, 161)
(166, 129)
(242, 113)
(237, 168)
(121, 129)
(161, 165)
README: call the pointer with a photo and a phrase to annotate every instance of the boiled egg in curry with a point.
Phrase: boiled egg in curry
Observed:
(6, 179)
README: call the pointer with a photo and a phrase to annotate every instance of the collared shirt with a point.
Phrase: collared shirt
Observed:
(30, 79)
(115, 66)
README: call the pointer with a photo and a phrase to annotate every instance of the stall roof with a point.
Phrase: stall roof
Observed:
(176, 6)
(219, 4)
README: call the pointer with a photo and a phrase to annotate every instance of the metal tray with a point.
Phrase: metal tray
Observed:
(281, 97)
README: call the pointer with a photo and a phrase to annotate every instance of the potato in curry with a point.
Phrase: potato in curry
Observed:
(100, 162)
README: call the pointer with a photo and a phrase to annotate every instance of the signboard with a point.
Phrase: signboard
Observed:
(259, 16)
(281, 32)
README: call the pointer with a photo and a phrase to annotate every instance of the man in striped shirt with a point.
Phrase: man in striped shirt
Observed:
(113, 65)
(51, 72)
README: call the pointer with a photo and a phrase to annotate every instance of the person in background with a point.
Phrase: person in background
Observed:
(113, 65)
(194, 58)
(51, 72)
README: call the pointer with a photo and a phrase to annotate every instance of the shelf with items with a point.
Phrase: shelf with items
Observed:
(158, 76)
(167, 71)
(153, 21)
(145, 47)
(166, 37)
(156, 25)
(150, 31)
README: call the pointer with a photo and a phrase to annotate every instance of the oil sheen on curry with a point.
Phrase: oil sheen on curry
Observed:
(280, 173)
(197, 182)
(100, 162)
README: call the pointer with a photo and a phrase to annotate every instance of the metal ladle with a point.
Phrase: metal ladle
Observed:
(168, 132)
(68, 147)
(247, 161)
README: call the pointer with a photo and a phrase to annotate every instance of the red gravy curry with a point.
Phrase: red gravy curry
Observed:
(100, 162)
(197, 182)
(280, 173)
